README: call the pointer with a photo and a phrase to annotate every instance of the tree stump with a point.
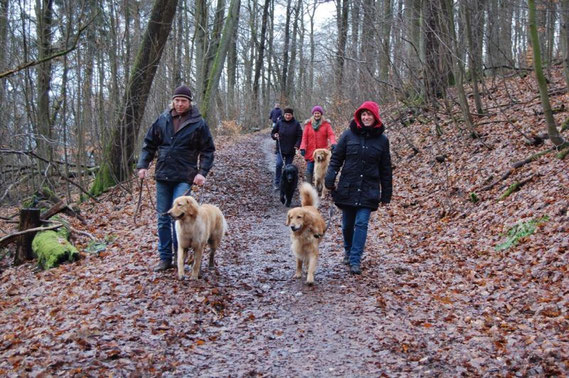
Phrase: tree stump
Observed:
(29, 218)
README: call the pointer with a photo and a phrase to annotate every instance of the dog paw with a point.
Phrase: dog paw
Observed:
(297, 275)
(310, 283)
(282, 200)
(287, 204)
(182, 277)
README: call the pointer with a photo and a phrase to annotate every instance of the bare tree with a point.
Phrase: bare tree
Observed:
(552, 131)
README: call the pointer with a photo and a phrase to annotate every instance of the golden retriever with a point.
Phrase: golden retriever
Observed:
(196, 226)
(307, 229)
(321, 161)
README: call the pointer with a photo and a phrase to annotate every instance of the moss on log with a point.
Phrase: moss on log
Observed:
(511, 189)
(52, 248)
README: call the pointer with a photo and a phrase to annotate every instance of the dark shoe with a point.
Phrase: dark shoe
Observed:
(163, 265)
(355, 269)
(346, 260)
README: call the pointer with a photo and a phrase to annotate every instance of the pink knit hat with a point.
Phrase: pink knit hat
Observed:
(317, 108)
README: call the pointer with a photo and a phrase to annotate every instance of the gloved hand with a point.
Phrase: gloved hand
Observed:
(332, 147)
(303, 152)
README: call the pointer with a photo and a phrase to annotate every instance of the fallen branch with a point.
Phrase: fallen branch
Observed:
(9, 238)
(517, 165)
(515, 187)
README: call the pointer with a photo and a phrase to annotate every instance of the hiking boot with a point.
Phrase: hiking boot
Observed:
(355, 269)
(163, 265)
(346, 260)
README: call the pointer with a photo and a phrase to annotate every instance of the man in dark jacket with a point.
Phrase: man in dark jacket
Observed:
(180, 136)
(288, 134)
(362, 154)
(276, 114)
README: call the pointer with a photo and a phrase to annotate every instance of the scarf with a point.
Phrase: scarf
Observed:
(316, 124)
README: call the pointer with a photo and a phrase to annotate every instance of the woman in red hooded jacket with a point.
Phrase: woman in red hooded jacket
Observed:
(364, 159)
(317, 134)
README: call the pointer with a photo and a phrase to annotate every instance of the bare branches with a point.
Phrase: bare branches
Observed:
(50, 57)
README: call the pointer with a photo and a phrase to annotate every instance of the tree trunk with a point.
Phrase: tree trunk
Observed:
(117, 165)
(44, 12)
(552, 131)
(342, 11)
(201, 37)
(474, 38)
(29, 218)
(564, 36)
(259, 65)
(218, 62)
(385, 60)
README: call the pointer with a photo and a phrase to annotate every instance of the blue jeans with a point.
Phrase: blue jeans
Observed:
(166, 193)
(354, 228)
(310, 168)
(279, 167)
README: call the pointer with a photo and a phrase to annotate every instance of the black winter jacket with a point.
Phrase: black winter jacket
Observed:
(178, 153)
(290, 135)
(366, 160)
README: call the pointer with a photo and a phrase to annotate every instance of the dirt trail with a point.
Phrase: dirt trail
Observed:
(286, 327)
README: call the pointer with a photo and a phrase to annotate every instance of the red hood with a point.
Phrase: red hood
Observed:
(369, 106)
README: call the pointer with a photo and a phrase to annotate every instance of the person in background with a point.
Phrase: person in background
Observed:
(363, 158)
(181, 137)
(317, 133)
(276, 114)
(288, 134)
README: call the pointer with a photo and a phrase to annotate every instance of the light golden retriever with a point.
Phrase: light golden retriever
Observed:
(321, 161)
(196, 226)
(307, 229)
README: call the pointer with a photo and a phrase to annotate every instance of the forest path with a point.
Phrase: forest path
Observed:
(284, 327)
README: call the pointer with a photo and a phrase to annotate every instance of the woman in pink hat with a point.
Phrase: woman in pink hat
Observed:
(317, 133)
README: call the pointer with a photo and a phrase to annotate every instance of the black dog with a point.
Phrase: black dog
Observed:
(289, 181)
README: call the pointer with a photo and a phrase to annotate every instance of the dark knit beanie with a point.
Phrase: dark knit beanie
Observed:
(183, 91)
(288, 110)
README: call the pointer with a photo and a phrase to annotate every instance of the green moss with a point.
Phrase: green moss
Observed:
(103, 181)
(52, 248)
(511, 189)
(474, 197)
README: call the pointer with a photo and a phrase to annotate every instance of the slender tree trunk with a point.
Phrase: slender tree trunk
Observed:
(44, 10)
(201, 37)
(218, 62)
(386, 40)
(259, 64)
(565, 38)
(552, 131)
(286, 44)
(117, 166)
(475, 50)
(342, 11)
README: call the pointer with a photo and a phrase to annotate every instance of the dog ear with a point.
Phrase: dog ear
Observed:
(317, 224)
(190, 206)
(288, 216)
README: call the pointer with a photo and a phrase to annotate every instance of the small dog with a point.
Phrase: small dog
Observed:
(289, 181)
(321, 161)
(196, 226)
(307, 229)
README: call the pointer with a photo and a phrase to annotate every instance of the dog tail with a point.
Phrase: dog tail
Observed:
(308, 195)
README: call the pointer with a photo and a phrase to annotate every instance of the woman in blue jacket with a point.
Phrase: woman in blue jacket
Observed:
(363, 158)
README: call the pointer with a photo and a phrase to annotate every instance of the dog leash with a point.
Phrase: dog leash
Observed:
(330, 215)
